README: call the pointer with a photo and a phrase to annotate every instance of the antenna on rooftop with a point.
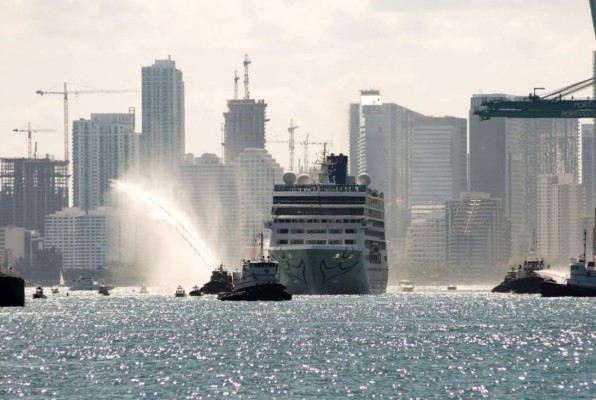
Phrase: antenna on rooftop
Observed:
(245, 63)
(236, 79)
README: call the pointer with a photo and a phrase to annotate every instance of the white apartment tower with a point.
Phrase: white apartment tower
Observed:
(105, 147)
(162, 140)
(559, 223)
(212, 190)
(86, 240)
(258, 172)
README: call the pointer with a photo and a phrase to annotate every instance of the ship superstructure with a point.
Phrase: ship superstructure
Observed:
(329, 237)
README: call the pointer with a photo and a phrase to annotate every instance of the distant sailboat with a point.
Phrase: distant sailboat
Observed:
(60, 284)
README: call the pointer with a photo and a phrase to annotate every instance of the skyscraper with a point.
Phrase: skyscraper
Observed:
(438, 160)
(380, 145)
(478, 244)
(105, 147)
(162, 139)
(244, 122)
(560, 211)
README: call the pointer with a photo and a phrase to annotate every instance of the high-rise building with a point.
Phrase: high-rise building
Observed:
(588, 170)
(258, 172)
(31, 189)
(478, 244)
(105, 147)
(380, 145)
(506, 157)
(212, 190)
(560, 212)
(244, 122)
(86, 240)
(426, 244)
(439, 160)
(12, 245)
(163, 128)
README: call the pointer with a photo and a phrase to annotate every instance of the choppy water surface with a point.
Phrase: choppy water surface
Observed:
(427, 344)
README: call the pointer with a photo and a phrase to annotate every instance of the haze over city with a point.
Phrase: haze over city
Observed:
(309, 59)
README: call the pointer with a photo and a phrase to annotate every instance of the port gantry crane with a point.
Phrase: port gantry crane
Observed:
(29, 131)
(550, 105)
(65, 93)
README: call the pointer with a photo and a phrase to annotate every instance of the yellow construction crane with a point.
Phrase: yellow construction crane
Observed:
(29, 131)
(65, 93)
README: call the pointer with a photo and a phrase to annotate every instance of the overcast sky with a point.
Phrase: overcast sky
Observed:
(309, 59)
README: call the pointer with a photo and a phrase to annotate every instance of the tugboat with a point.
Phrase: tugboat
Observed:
(580, 282)
(39, 293)
(12, 290)
(143, 290)
(195, 291)
(221, 281)
(258, 281)
(180, 292)
(523, 279)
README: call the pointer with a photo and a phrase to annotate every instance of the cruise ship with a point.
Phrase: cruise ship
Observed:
(329, 237)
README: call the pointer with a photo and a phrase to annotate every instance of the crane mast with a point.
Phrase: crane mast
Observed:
(291, 130)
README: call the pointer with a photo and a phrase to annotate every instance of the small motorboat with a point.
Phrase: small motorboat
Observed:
(180, 292)
(105, 290)
(406, 286)
(195, 291)
(55, 290)
(143, 290)
(39, 293)
(451, 287)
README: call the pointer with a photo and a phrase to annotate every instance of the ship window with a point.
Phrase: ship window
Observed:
(350, 230)
(334, 241)
(281, 241)
(282, 231)
(316, 241)
(296, 241)
(316, 231)
(296, 230)
(335, 231)
(350, 241)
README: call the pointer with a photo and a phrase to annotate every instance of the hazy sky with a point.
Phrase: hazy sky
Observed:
(309, 58)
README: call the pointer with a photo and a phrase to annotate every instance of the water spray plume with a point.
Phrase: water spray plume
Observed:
(161, 211)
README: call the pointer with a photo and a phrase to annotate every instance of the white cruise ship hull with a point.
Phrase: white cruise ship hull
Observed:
(329, 270)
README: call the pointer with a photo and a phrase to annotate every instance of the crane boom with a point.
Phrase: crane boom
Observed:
(551, 105)
(65, 92)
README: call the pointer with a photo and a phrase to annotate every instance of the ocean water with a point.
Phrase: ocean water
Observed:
(428, 344)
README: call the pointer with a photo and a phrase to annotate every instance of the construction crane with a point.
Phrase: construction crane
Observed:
(305, 144)
(29, 131)
(65, 93)
(549, 105)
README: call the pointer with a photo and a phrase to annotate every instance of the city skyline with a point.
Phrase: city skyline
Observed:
(430, 57)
